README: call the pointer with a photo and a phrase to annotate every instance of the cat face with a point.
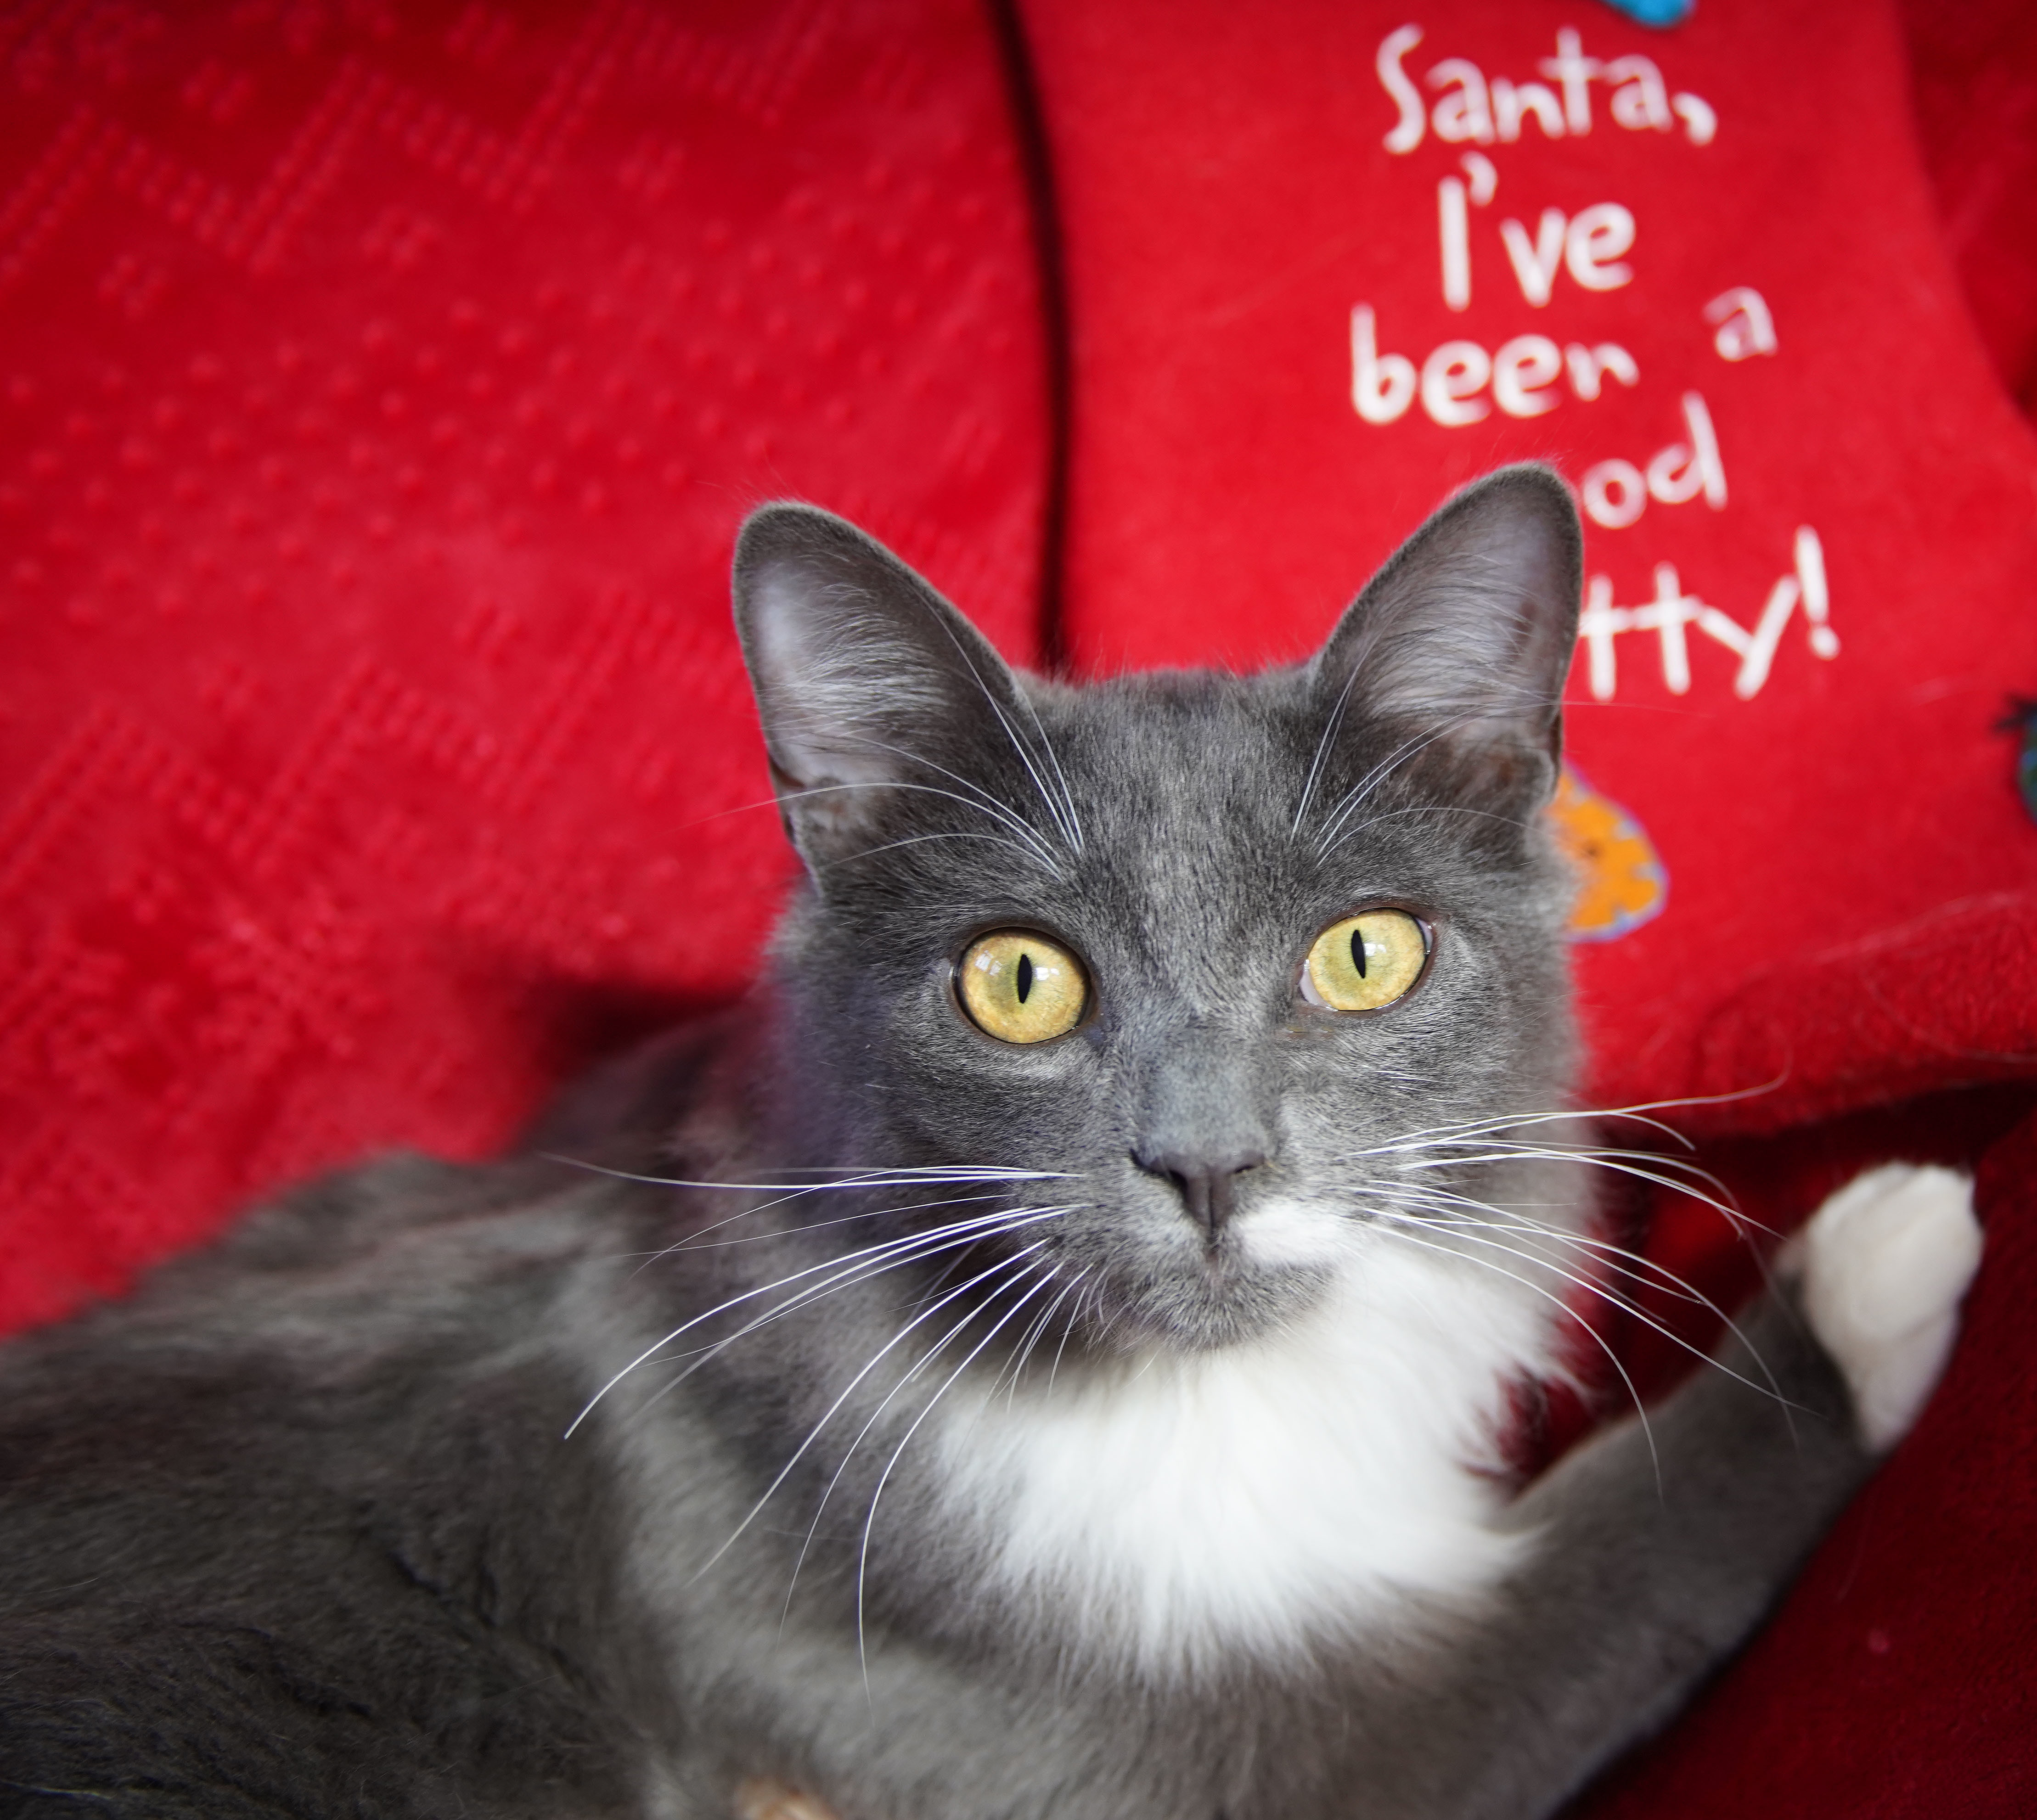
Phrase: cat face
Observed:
(1218, 956)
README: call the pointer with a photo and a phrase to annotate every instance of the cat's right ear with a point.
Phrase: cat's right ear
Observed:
(866, 679)
(1458, 648)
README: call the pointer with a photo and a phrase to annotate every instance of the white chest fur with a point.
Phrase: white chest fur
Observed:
(1182, 1510)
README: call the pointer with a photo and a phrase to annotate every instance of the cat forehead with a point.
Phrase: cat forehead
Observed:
(1187, 785)
(1171, 743)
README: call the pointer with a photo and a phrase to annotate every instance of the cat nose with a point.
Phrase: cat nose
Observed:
(1206, 1180)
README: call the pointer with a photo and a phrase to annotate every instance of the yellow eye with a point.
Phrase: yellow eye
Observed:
(1366, 961)
(1021, 988)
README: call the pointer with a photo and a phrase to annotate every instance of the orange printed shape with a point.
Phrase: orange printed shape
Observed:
(1621, 883)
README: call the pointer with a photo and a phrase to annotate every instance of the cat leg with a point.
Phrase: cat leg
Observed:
(1658, 1547)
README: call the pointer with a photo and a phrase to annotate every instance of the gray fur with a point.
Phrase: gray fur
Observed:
(294, 1531)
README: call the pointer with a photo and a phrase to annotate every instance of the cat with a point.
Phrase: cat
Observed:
(1047, 1351)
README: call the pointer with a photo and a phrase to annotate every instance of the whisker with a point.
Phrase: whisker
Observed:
(929, 1175)
(1620, 1162)
(849, 1390)
(1074, 1320)
(956, 1240)
(863, 1553)
(1417, 809)
(865, 1272)
(909, 1176)
(1478, 1234)
(985, 799)
(1628, 1258)
(1352, 798)
(692, 1241)
(1377, 774)
(1629, 1261)
(1068, 822)
(1640, 1408)
(1061, 777)
(1637, 1112)
(1332, 722)
(958, 1232)
(1028, 835)
(1031, 1337)
(918, 1366)
(1469, 1143)
(914, 840)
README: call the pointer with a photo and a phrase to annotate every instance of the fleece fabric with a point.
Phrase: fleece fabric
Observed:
(380, 390)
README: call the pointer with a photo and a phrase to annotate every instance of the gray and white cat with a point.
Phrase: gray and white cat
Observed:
(1045, 1353)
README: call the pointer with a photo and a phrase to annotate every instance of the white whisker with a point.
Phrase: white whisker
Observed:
(1354, 798)
(890, 1211)
(1332, 722)
(1620, 1162)
(958, 1232)
(1417, 808)
(1004, 810)
(1479, 1233)
(918, 1366)
(863, 1551)
(899, 1176)
(849, 1390)
(1640, 1409)
(1033, 1334)
(1028, 835)
(1062, 810)
(1074, 1320)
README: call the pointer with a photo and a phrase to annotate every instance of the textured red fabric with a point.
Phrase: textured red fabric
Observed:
(379, 390)
(1848, 835)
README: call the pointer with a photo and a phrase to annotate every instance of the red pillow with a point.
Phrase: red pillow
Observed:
(381, 393)
(1327, 263)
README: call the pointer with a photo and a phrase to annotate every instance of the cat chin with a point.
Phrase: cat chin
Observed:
(1288, 1232)
(1273, 1268)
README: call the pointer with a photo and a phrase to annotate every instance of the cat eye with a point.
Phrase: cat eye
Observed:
(1366, 961)
(1020, 988)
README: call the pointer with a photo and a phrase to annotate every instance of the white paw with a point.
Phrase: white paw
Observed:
(1884, 1262)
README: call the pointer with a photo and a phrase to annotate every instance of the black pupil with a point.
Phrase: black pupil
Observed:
(1025, 978)
(1358, 951)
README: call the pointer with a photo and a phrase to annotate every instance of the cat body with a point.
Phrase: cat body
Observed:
(1102, 1417)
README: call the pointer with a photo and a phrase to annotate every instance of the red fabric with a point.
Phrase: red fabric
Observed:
(379, 395)
(1973, 72)
(1851, 831)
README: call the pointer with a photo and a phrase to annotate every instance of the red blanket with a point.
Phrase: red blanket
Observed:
(379, 393)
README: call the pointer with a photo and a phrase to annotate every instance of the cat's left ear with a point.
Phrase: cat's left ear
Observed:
(1458, 648)
(867, 680)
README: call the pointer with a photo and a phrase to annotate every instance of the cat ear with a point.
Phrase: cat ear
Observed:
(864, 676)
(1459, 646)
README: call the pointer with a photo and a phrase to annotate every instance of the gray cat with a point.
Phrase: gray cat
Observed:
(1045, 1353)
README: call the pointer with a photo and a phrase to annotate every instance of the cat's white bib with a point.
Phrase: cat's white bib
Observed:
(1180, 1510)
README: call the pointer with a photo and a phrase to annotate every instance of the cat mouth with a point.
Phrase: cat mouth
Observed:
(1261, 1271)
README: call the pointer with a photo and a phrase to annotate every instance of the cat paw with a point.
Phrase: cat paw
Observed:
(1884, 1264)
(762, 1799)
